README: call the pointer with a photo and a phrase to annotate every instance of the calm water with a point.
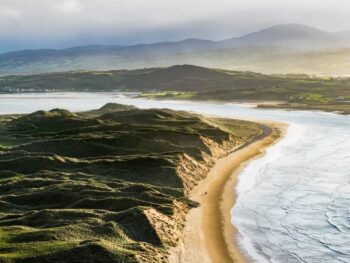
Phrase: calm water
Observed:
(293, 203)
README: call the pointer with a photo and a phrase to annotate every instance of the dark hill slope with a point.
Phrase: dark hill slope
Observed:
(104, 187)
(175, 78)
(197, 83)
(181, 77)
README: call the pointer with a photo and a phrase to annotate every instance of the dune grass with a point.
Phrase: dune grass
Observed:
(109, 185)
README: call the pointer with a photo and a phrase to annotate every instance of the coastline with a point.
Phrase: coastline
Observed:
(265, 104)
(209, 235)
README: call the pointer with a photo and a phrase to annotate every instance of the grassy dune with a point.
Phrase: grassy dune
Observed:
(108, 185)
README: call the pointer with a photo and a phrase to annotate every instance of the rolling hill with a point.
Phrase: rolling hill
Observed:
(288, 48)
(197, 83)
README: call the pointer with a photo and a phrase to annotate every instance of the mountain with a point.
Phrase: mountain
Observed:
(259, 51)
(291, 36)
(162, 48)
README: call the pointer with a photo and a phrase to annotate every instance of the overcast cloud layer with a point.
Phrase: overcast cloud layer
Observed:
(62, 23)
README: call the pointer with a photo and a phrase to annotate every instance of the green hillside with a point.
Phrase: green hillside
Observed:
(108, 185)
(197, 83)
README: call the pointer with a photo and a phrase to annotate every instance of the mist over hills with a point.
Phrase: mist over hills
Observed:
(292, 36)
(288, 48)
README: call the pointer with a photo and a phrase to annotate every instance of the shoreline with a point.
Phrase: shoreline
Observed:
(209, 235)
(259, 104)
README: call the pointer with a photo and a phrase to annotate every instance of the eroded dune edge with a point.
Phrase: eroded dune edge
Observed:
(209, 235)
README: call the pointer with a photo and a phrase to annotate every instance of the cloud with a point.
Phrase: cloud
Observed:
(8, 13)
(69, 7)
(59, 23)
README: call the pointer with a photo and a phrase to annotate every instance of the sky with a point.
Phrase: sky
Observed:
(32, 24)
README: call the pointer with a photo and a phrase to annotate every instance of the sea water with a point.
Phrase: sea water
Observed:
(293, 203)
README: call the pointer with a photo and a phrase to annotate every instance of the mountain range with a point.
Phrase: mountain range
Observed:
(290, 48)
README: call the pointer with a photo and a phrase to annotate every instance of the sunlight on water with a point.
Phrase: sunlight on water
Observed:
(293, 203)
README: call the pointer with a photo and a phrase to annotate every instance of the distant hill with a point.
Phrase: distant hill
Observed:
(179, 77)
(193, 82)
(291, 36)
(277, 49)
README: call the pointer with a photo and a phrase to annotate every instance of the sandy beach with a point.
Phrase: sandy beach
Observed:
(209, 235)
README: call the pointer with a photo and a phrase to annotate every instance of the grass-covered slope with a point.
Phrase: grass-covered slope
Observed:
(109, 185)
(198, 83)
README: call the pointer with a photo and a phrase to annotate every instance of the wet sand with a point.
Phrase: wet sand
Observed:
(209, 235)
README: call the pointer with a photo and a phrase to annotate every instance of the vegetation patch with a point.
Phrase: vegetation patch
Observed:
(168, 95)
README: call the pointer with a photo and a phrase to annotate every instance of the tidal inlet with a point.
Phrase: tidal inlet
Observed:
(180, 132)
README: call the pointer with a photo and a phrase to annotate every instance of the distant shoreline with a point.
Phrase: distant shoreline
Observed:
(342, 108)
(209, 235)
